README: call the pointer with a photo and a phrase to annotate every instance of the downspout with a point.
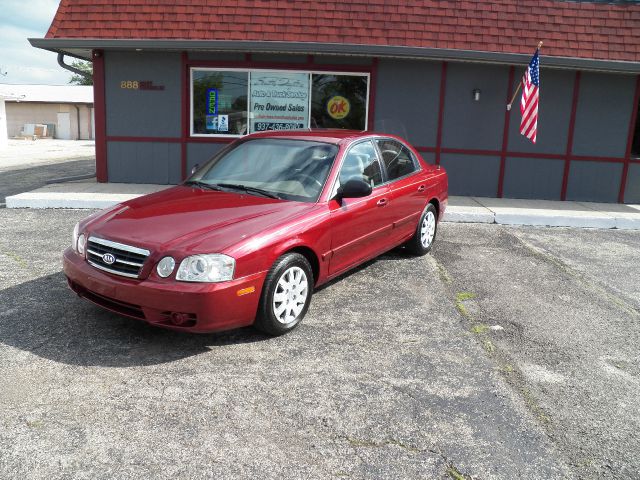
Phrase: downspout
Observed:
(78, 72)
(78, 120)
(70, 68)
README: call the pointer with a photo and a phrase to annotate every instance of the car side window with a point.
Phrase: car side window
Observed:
(397, 159)
(361, 162)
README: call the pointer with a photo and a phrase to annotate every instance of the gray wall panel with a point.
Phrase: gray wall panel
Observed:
(594, 181)
(472, 175)
(467, 123)
(603, 114)
(430, 158)
(533, 178)
(143, 162)
(201, 152)
(632, 189)
(556, 95)
(407, 99)
(143, 113)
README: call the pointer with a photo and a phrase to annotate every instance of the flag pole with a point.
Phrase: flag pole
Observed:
(520, 83)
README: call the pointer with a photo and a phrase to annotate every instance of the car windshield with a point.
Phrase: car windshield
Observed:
(273, 167)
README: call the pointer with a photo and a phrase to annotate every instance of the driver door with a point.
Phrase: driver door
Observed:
(360, 226)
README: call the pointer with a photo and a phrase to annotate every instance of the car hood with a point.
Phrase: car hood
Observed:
(192, 219)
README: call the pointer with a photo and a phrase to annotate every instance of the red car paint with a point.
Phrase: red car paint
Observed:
(182, 220)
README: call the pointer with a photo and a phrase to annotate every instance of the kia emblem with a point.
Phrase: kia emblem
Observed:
(108, 258)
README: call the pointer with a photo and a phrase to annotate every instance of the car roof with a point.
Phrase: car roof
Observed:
(318, 135)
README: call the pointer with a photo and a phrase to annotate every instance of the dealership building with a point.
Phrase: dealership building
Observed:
(174, 83)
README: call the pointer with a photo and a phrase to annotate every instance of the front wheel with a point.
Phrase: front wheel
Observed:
(425, 234)
(286, 295)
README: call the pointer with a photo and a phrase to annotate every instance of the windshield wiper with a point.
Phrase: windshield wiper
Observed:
(197, 183)
(248, 189)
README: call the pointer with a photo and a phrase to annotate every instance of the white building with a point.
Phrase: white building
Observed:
(66, 108)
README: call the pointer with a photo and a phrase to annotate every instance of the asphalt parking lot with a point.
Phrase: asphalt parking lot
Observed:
(26, 165)
(395, 372)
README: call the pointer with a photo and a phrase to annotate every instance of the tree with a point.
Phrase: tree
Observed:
(77, 79)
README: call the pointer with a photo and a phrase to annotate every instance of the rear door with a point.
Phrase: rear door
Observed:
(408, 188)
(360, 227)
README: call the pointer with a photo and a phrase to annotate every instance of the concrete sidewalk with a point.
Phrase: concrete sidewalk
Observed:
(89, 194)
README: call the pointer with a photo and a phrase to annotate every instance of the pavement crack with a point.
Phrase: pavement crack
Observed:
(359, 442)
(549, 258)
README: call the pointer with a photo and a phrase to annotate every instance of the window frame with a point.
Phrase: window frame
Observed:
(309, 72)
(336, 181)
(414, 159)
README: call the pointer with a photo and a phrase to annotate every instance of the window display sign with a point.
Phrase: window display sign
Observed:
(279, 101)
(212, 101)
(338, 107)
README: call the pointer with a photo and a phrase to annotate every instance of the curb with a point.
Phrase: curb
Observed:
(60, 200)
(467, 210)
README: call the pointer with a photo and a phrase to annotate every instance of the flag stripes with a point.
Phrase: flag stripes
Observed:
(529, 100)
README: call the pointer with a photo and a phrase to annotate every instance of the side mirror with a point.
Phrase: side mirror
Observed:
(354, 188)
(195, 168)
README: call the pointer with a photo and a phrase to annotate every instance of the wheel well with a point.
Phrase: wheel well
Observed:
(436, 204)
(311, 257)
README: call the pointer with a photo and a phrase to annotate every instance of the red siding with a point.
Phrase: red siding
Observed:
(570, 29)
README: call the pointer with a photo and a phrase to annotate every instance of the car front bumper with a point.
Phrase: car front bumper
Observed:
(185, 306)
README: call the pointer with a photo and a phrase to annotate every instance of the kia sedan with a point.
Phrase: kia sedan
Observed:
(250, 235)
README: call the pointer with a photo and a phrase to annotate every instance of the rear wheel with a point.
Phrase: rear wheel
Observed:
(286, 295)
(425, 234)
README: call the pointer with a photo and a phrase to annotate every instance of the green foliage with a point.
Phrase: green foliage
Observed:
(479, 329)
(82, 79)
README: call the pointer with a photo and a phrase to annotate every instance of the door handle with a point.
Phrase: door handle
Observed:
(422, 188)
(382, 202)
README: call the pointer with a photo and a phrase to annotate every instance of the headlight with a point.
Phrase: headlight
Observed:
(206, 268)
(81, 243)
(165, 267)
(74, 241)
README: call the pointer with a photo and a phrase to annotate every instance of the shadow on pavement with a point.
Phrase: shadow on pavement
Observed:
(19, 180)
(398, 253)
(46, 318)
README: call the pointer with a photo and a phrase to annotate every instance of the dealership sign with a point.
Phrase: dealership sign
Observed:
(279, 101)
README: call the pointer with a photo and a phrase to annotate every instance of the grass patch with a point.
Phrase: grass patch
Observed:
(443, 274)
(507, 368)
(355, 442)
(533, 405)
(480, 328)
(464, 296)
(454, 473)
(16, 258)
(488, 346)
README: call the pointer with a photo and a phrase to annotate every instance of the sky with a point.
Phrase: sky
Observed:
(19, 61)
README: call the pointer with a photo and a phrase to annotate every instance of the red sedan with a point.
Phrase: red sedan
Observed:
(247, 238)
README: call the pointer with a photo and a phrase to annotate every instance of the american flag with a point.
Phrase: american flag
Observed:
(529, 101)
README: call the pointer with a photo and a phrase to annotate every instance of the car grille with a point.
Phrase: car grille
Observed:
(128, 260)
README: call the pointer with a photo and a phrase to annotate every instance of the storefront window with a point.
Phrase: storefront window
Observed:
(239, 102)
(219, 102)
(279, 101)
(339, 101)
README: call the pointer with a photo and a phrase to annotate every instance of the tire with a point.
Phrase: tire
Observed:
(425, 234)
(282, 305)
